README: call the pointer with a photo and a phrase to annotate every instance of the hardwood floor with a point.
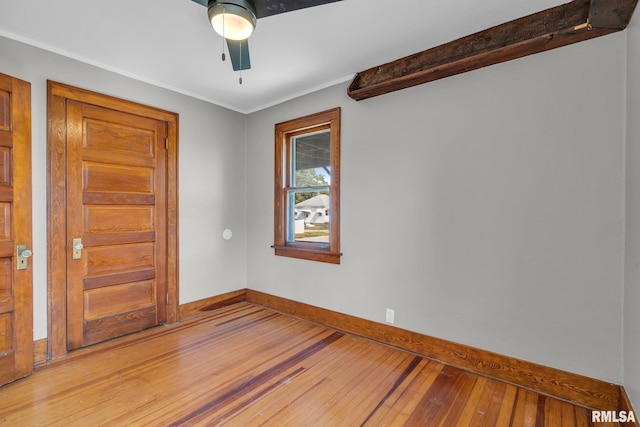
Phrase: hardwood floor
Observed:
(245, 365)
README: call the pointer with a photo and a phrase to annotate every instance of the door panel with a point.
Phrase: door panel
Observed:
(109, 219)
(5, 103)
(16, 286)
(116, 205)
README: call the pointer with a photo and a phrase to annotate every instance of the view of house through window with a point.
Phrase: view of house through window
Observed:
(307, 187)
(309, 201)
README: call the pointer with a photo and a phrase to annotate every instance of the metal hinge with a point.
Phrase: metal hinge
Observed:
(167, 298)
(166, 143)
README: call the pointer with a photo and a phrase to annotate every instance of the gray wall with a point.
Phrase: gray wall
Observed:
(486, 208)
(632, 277)
(211, 173)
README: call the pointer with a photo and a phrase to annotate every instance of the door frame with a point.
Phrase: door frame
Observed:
(57, 96)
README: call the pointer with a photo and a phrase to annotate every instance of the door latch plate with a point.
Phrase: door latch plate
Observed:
(21, 260)
(77, 248)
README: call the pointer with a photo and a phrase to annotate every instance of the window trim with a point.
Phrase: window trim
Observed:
(283, 133)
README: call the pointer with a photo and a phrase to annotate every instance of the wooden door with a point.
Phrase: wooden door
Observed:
(116, 223)
(16, 286)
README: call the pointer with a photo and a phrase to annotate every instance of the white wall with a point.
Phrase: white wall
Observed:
(502, 208)
(632, 277)
(211, 173)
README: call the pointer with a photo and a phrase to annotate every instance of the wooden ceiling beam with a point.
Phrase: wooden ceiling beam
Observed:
(559, 26)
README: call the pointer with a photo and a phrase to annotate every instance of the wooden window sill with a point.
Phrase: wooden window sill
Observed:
(309, 254)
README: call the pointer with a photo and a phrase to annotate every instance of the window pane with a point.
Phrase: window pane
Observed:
(308, 216)
(311, 159)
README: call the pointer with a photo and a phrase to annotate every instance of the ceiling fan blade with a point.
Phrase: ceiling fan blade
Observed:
(239, 53)
(205, 3)
(274, 7)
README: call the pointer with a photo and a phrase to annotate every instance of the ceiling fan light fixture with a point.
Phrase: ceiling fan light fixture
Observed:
(234, 20)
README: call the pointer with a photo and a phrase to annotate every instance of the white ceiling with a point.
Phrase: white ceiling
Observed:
(170, 43)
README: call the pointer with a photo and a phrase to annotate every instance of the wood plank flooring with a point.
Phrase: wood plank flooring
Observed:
(245, 365)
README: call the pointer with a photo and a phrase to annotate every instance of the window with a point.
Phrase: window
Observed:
(307, 187)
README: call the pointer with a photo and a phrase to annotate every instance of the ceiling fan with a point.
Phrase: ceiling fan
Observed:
(235, 20)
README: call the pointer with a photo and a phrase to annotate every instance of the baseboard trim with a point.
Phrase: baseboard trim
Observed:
(202, 306)
(625, 405)
(40, 351)
(589, 392)
(578, 389)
